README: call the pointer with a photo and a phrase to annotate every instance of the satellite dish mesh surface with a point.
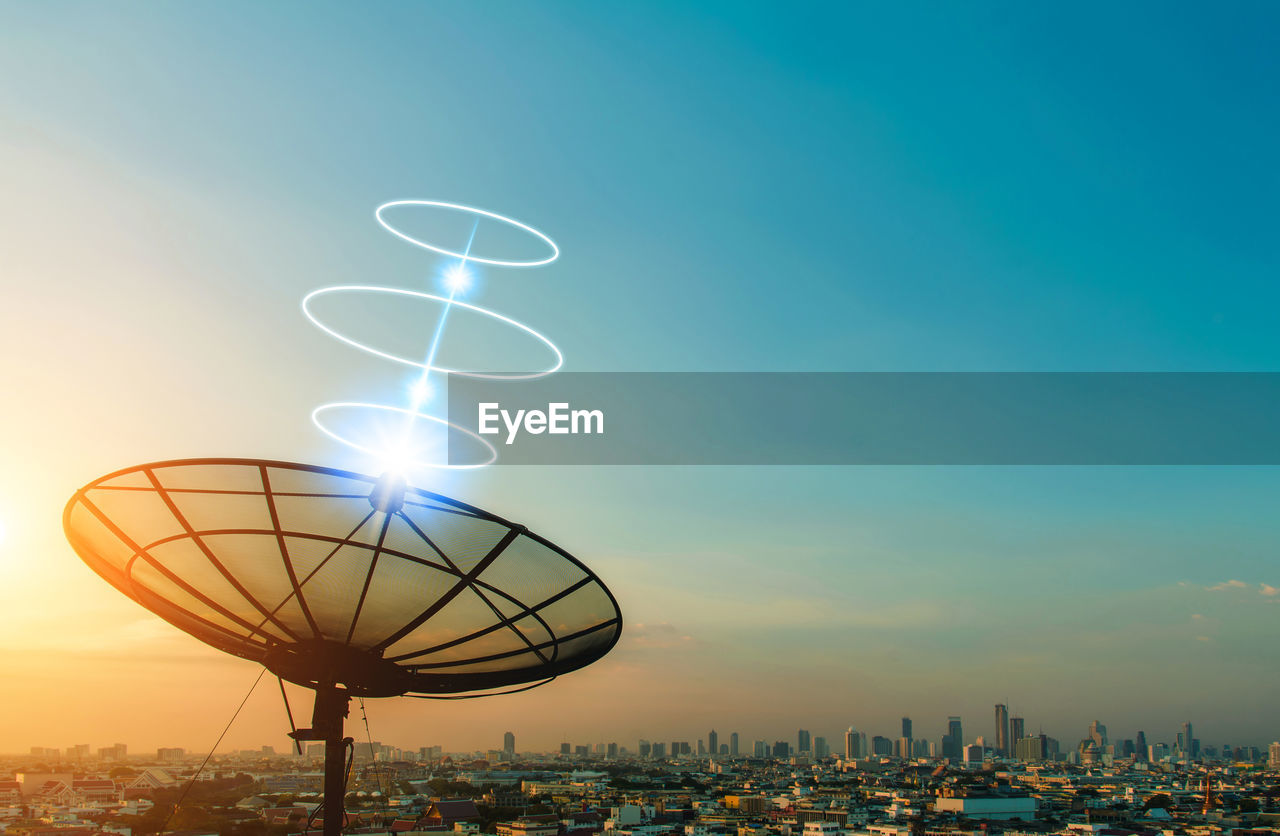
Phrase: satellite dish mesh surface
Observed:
(330, 578)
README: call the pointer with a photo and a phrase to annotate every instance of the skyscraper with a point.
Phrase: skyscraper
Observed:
(852, 747)
(1140, 747)
(953, 729)
(1098, 733)
(509, 743)
(802, 741)
(906, 727)
(1017, 731)
(713, 743)
(733, 745)
(1002, 730)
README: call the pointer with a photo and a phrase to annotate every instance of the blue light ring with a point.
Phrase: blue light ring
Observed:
(341, 439)
(497, 262)
(315, 320)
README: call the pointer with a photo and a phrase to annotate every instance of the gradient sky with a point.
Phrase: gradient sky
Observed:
(734, 187)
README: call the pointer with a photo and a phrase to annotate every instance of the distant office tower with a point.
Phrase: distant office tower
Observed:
(881, 746)
(1032, 748)
(646, 748)
(659, 750)
(724, 749)
(713, 742)
(864, 747)
(781, 749)
(902, 748)
(1002, 729)
(1140, 746)
(509, 743)
(1187, 737)
(852, 747)
(612, 751)
(760, 749)
(953, 729)
(1017, 728)
(733, 745)
(1273, 756)
(1098, 733)
(820, 747)
(802, 741)
(906, 727)
(702, 747)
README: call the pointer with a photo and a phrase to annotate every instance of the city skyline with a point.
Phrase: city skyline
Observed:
(833, 739)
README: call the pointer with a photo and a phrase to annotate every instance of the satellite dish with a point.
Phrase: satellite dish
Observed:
(347, 584)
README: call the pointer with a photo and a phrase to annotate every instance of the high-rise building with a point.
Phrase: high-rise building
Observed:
(906, 727)
(1032, 748)
(702, 747)
(713, 743)
(881, 746)
(760, 749)
(1140, 746)
(1002, 730)
(802, 741)
(953, 729)
(820, 748)
(612, 751)
(852, 744)
(1017, 730)
(733, 745)
(1273, 756)
(1098, 733)
(509, 743)
(646, 748)
(659, 750)
(781, 749)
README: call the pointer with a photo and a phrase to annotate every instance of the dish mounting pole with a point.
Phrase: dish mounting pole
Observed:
(331, 707)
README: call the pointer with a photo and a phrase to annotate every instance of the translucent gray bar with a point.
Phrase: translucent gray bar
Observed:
(821, 418)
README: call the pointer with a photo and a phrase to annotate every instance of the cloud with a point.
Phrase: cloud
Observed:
(1231, 584)
(662, 634)
(1269, 590)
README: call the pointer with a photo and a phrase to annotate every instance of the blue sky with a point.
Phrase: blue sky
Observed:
(734, 187)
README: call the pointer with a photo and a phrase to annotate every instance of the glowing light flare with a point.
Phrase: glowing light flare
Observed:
(429, 366)
(457, 278)
(478, 213)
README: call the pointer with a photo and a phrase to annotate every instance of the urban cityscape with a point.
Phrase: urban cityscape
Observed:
(998, 777)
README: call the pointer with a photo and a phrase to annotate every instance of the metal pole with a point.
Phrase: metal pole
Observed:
(326, 721)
